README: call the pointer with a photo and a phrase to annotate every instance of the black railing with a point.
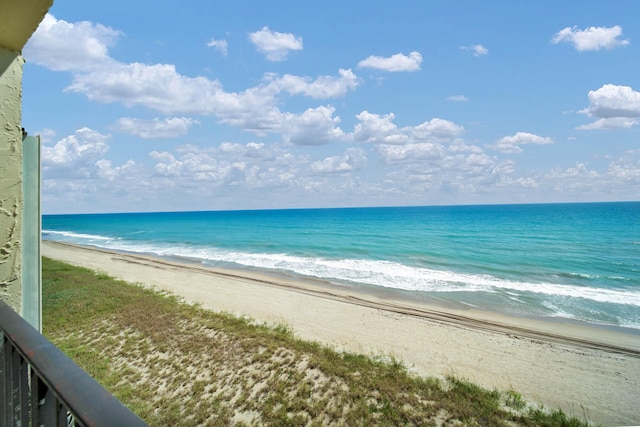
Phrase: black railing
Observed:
(41, 386)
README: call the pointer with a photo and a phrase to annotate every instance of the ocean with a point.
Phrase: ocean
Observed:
(574, 261)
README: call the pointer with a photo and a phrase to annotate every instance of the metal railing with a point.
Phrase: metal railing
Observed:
(41, 386)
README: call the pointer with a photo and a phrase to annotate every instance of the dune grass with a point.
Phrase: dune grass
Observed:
(177, 364)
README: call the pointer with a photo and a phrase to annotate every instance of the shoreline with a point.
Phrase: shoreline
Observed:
(393, 300)
(589, 371)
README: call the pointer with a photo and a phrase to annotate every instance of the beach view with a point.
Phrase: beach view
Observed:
(395, 282)
(343, 214)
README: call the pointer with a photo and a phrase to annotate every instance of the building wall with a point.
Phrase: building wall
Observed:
(11, 198)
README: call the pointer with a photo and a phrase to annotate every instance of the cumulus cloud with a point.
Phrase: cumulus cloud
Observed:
(610, 123)
(511, 144)
(352, 160)
(106, 170)
(411, 152)
(626, 171)
(75, 154)
(395, 63)
(74, 170)
(575, 180)
(158, 86)
(377, 129)
(613, 106)
(169, 127)
(64, 46)
(162, 88)
(476, 49)
(276, 46)
(426, 157)
(251, 165)
(322, 87)
(314, 126)
(219, 45)
(613, 101)
(410, 161)
(592, 38)
(436, 128)
(200, 166)
(438, 168)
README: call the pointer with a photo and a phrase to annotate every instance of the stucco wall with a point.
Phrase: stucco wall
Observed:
(11, 199)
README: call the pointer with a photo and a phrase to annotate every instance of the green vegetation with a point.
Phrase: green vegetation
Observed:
(180, 365)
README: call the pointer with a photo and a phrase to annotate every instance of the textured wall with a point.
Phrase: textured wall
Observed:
(11, 64)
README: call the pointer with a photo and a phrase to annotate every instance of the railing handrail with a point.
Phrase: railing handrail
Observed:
(89, 402)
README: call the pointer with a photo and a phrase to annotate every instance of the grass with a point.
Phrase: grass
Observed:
(180, 365)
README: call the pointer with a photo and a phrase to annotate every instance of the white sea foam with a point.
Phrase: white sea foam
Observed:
(399, 276)
(78, 237)
(557, 311)
(372, 272)
(625, 323)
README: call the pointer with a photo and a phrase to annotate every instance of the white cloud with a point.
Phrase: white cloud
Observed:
(377, 129)
(275, 45)
(476, 49)
(314, 126)
(511, 144)
(322, 87)
(593, 38)
(610, 123)
(63, 46)
(394, 63)
(157, 86)
(425, 161)
(625, 170)
(428, 157)
(614, 106)
(219, 45)
(613, 101)
(105, 170)
(436, 128)
(169, 127)
(199, 166)
(411, 152)
(438, 169)
(162, 88)
(202, 169)
(573, 179)
(352, 160)
(75, 172)
(227, 168)
(76, 154)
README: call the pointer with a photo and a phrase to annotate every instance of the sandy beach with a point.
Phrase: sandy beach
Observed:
(590, 372)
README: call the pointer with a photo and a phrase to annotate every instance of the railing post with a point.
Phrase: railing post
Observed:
(5, 393)
(43, 387)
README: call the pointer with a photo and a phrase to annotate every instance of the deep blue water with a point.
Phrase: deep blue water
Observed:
(579, 261)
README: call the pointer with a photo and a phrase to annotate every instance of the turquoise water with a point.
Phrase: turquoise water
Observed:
(578, 261)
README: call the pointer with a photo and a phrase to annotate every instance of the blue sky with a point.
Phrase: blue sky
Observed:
(259, 105)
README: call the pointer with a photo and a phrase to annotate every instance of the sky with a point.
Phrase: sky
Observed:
(200, 105)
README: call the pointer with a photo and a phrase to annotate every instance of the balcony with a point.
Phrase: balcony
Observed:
(40, 386)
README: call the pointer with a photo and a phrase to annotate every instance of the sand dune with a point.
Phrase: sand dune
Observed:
(587, 371)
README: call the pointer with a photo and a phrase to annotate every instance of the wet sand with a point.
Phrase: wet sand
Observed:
(590, 372)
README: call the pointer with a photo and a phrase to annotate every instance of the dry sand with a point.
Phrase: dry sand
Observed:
(590, 372)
